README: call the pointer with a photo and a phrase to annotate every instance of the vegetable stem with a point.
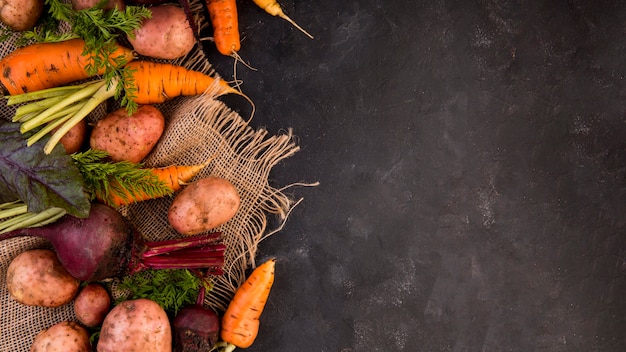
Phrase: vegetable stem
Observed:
(181, 263)
(104, 92)
(44, 117)
(200, 251)
(12, 209)
(167, 246)
(25, 117)
(21, 218)
(45, 217)
(57, 119)
(44, 93)
(10, 205)
(17, 219)
(37, 106)
(61, 107)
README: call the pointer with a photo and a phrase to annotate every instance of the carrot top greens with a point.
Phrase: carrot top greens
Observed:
(106, 179)
(172, 289)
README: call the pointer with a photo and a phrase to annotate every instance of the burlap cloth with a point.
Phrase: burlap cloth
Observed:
(198, 128)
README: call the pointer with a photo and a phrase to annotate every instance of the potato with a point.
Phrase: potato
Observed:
(128, 137)
(37, 278)
(20, 15)
(62, 337)
(73, 140)
(86, 4)
(203, 205)
(136, 325)
(166, 35)
(92, 304)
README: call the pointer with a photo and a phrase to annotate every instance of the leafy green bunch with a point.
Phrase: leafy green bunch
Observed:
(172, 289)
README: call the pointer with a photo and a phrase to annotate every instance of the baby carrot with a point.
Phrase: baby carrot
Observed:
(240, 324)
(223, 14)
(273, 8)
(46, 65)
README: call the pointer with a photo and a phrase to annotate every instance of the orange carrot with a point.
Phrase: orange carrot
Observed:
(157, 82)
(240, 324)
(173, 177)
(273, 8)
(47, 65)
(225, 23)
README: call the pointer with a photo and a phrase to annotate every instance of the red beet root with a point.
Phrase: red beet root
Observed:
(195, 327)
(105, 245)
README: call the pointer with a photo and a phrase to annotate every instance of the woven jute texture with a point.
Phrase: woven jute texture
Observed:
(198, 129)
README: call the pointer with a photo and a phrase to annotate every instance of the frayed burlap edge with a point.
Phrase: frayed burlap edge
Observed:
(204, 129)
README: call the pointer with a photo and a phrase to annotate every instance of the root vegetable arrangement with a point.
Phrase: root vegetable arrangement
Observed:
(54, 86)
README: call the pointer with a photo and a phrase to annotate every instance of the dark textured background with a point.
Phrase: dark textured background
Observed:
(472, 163)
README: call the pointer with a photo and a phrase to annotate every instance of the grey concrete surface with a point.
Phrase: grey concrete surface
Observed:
(472, 167)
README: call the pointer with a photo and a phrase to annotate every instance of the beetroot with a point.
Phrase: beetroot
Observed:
(195, 327)
(106, 245)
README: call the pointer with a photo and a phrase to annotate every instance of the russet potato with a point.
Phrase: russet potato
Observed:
(166, 35)
(203, 205)
(128, 137)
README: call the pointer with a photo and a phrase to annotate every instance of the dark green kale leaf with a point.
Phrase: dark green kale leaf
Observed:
(39, 180)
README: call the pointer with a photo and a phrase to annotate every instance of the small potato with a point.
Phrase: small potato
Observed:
(92, 304)
(20, 15)
(203, 205)
(37, 278)
(73, 140)
(128, 137)
(62, 337)
(87, 4)
(136, 325)
(166, 35)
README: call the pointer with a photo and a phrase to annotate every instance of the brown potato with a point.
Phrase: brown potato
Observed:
(62, 337)
(20, 15)
(37, 278)
(92, 304)
(203, 205)
(136, 325)
(86, 4)
(73, 140)
(128, 137)
(166, 35)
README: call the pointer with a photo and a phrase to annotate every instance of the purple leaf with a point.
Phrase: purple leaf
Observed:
(41, 181)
